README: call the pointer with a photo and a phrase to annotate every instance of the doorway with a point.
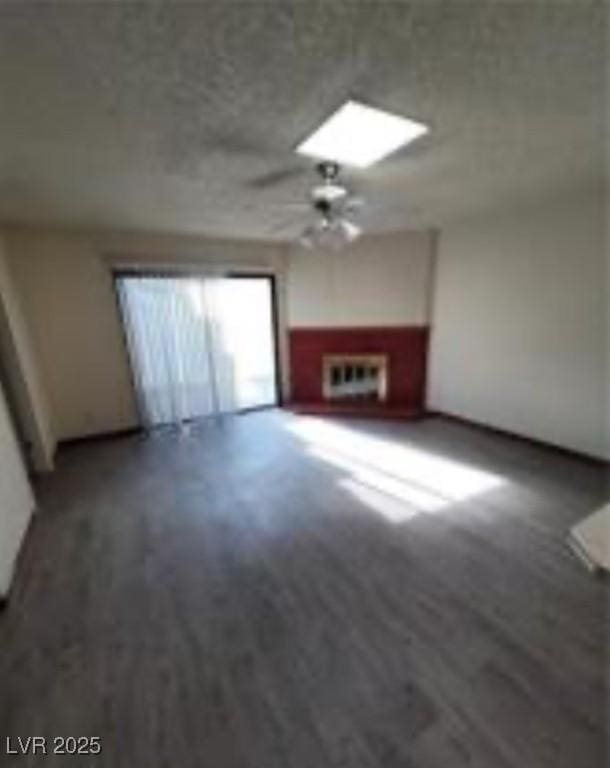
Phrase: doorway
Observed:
(199, 345)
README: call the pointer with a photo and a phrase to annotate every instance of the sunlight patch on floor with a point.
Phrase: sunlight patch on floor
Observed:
(397, 480)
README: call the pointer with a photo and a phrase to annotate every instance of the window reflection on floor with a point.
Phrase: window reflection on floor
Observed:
(399, 481)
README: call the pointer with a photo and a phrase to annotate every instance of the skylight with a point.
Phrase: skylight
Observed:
(358, 135)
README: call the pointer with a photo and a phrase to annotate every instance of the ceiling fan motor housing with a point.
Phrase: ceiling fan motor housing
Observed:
(330, 191)
(328, 170)
(323, 206)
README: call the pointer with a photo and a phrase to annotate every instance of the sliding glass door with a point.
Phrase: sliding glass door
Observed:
(249, 322)
(199, 345)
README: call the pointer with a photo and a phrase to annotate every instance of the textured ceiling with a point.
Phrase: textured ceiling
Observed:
(179, 117)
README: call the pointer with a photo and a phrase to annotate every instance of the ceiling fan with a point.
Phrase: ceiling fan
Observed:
(334, 207)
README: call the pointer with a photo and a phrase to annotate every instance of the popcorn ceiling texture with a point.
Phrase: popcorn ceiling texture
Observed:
(179, 117)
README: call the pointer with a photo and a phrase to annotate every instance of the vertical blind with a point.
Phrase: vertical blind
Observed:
(198, 346)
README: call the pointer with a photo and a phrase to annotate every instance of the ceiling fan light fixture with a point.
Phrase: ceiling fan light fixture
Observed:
(359, 135)
(329, 233)
(329, 192)
(352, 231)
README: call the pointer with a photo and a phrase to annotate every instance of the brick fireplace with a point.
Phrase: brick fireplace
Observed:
(359, 371)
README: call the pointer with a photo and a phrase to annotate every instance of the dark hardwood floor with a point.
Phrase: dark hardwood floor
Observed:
(276, 592)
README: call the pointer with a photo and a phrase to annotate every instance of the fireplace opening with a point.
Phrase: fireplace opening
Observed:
(354, 377)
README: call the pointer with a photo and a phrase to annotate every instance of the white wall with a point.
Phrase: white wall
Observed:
(16, 500)
(607, 244)
(23, 378)
(518, 338)
(65, 282)
(607, 302)
(379, 280)
(607, 307)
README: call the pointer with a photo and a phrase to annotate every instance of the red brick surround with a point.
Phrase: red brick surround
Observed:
(406, 348)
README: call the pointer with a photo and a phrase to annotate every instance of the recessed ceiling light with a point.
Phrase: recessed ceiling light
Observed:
(360, 136)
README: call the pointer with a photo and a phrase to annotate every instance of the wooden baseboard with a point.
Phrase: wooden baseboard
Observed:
(94, 438)
(568, 452)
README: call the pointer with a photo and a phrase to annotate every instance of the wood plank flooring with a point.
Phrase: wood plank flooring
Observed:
(270, 593)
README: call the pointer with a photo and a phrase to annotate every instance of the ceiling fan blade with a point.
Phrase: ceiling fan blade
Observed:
(284, 225)
(274, 178)
(293, 206)
(350, 229)
(354, 203)
(389, 210)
